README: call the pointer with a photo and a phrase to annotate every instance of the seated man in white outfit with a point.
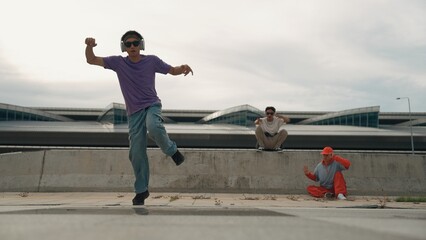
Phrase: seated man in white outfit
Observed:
(268, 133)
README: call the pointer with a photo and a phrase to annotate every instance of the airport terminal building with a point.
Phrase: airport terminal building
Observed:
(26, 128)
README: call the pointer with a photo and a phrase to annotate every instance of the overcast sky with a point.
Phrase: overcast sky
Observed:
(317, 55)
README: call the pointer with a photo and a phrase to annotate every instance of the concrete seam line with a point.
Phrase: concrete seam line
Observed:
(42, 171)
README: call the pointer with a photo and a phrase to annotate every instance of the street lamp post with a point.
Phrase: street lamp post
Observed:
(411, 123)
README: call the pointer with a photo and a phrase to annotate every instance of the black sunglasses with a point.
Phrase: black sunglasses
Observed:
(135, 43)
(269, 113)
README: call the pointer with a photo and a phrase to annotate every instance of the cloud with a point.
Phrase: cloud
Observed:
(16, 89)
(295, 55)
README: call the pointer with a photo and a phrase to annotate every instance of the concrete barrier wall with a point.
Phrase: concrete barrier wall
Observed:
(21, 171)
(239, 171)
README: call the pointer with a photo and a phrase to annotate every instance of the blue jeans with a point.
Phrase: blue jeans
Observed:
(148, 119)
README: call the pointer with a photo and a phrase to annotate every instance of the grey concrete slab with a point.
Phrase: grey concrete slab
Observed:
(406, 223)
(206, 216)
(21, 171)
(214, 222)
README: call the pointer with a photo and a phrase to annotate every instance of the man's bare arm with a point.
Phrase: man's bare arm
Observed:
(91, 58)
(258, 121)
(286, 119)
(183, 69)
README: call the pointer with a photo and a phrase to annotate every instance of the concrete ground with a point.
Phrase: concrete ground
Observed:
(101, 215)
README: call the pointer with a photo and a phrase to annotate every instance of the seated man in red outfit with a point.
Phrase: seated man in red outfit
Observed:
(329, 174)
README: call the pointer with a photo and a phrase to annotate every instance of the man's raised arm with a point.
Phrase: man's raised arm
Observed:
(91, 58)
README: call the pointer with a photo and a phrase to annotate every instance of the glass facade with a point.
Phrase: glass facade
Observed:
(22, 115)
(114, 116)
(360, 117)
(243, 115)
(360, 120)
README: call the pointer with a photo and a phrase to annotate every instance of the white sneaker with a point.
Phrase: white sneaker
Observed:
(341, 196)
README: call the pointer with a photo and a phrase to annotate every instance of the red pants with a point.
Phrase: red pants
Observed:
(339, 186)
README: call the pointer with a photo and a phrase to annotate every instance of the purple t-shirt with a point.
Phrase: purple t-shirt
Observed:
(137, 80)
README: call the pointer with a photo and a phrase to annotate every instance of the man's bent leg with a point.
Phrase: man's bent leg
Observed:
(280, 138)
(317, 191)
(264, 141)
(260, 136)
(137, 152)
(157, 132)
(339, 184)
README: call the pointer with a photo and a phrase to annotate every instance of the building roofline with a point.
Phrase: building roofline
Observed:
(341, 113)
(35, 112)
(235, 109)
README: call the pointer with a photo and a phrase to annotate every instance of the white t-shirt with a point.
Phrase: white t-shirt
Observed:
(271, 127)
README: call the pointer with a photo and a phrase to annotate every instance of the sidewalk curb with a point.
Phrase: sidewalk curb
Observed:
(114, 199)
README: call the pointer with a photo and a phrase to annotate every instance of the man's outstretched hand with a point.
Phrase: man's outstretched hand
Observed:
(186, 69)
(305, 170)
